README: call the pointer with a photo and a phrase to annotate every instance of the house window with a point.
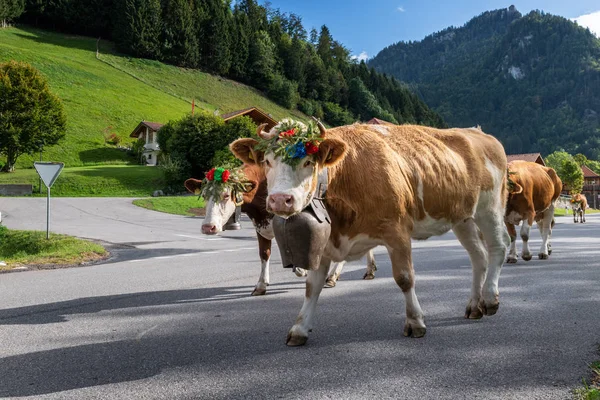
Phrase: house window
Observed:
(150, 137)
(149, 157)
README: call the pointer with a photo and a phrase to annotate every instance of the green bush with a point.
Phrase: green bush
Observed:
(194, 144)
(284, 92)
(336, 115)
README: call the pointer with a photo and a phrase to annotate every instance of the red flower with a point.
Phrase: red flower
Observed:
(311, 148)
(210, 175)
(289, 133)
(225, 176)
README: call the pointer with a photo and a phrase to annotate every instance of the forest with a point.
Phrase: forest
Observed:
(255, 44)
(533, 81)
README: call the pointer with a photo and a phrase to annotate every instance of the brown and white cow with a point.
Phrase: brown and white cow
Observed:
(533, 190)
(219, 211)
(579, 204)
(388, 185)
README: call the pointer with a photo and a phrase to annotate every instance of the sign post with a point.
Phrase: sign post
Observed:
(48, 172)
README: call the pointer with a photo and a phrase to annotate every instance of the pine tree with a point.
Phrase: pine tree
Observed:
(139, 27)
(216, 37)
(10, 10)
(179, 41)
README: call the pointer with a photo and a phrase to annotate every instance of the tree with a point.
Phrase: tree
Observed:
(180, 45)
(30, 115)
(557, 159)
(9, 10)
(580, 159)
(138, 27)
(572, 176)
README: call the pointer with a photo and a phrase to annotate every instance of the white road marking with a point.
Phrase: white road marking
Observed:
(200, 238)
(194, 254)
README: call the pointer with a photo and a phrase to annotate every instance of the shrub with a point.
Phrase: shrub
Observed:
(284, 92)
(174, 174)
(336, 115)
(137, 151)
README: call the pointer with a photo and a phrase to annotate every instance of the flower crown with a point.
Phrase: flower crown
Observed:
(292, 140)
(219, 180)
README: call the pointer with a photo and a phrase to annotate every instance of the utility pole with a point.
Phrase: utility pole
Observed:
(41, 149)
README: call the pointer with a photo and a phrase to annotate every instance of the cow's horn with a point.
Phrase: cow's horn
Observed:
(321, 127)
(259, 131)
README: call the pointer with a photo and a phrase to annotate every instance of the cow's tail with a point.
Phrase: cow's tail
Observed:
(558, 185)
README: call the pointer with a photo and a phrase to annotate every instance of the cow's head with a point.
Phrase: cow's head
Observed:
(291, 178)
(220, 206)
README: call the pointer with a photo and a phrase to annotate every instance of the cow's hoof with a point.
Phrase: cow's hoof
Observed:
(543, 256)
(368, 276)
(330, 282)
(511, 260)
(259, 292)
(473, 312)
(526, 257)
(549, 252)
(300, 272)
(295, 339)
(413, 330)
(490, 308)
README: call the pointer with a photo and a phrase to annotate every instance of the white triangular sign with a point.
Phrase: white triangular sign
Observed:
(48, 171)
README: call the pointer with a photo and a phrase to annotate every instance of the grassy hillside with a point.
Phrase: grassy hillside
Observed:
(114, 93)
(101, 181)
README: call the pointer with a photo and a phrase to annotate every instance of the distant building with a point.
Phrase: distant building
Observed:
(589, 176)
(531, 157)
(377, 121)
(148, 132)
(257, 115)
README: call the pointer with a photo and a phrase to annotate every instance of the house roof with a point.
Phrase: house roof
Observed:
(588, 173)
(154, 126)
(256, 114)
(531, 157)
(377, 121)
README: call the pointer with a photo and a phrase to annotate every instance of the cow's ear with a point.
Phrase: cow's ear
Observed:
(193, 185)
(249, 186)
(243, 149)
(515, 188)
(331, 151)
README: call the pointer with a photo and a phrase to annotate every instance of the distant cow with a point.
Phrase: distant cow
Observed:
(579, 204)
(386, 186)
(533, 190)
(254, 205)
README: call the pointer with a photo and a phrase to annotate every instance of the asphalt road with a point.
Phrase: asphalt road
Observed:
(171, 317)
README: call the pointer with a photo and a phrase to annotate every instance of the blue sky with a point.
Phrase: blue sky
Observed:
(369, 26)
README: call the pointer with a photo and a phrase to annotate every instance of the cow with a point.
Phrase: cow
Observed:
(219, 211)
(533, 191)
(579, 204)
(386, 186)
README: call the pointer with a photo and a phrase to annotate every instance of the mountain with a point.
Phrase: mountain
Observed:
(533, 81)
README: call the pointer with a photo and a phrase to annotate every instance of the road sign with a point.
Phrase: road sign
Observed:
(48, 171)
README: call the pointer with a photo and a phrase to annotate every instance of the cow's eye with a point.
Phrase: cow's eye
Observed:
(225, 197)
(268, 163)
(307, 163)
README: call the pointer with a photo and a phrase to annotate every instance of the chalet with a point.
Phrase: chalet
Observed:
(377, 121)
(148, 132)
(256, 115)
(589, 176)
(531, 157)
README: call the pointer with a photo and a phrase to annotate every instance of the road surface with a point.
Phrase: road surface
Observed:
(170, 317)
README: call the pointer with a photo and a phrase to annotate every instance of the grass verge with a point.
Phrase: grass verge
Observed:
(31, 248)
(184, 205)
(590, 391)
(561, 212)
(95, 181)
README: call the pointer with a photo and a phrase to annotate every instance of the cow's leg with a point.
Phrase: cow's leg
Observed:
(583, 214)
(490, 223)
(371, 266)
(264, 250)
(575, 216)
(512, 254)
(525, 230)
(298, 334)
(468, 235)
(300, 272)
(545, 225)
(334, 274)
(404, 275)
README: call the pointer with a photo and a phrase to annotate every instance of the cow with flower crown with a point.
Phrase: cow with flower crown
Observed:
(386, 185)
(224, 190)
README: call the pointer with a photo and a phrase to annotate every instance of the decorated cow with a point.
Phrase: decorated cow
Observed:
(533, 190)
(579, 204)
(386, 185)
(225, 190)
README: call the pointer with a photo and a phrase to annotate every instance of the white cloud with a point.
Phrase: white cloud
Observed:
(591, 21)
(361, 57)
(401, 9)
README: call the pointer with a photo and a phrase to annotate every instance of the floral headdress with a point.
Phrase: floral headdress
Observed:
(219, 180)
(292, 140)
